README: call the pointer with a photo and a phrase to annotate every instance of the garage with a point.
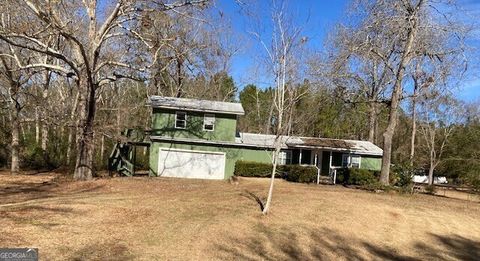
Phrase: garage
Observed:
(191, 164)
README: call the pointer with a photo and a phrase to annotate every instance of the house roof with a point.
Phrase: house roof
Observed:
(262, 140)
(352, 146)
(196, 105)
(265, 141)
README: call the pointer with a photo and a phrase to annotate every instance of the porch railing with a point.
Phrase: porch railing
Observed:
(333, 174)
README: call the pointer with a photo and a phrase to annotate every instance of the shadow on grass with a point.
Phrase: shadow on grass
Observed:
(327, 244)
(103, 251)
(35, 215)
(14, 188)
(18, 206)
(254, 197)
(16, 192)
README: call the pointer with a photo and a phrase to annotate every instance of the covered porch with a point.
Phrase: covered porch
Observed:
(326, 161)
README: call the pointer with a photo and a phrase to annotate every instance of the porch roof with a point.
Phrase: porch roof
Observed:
(350, 146)
(353, 146)
(263, 140)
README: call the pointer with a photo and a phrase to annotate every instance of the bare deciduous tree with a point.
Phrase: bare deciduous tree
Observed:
(100, 49)
(282, 64)
(397, 33)
(438, 115)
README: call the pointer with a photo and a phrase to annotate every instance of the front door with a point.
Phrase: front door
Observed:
(325, 165)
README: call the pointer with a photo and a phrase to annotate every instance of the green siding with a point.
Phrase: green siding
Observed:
(163, 124)
(232, 154)
(371, 163)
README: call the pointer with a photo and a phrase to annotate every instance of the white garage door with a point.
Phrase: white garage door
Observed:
(191, 164)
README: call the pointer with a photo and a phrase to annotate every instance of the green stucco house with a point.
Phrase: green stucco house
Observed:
(198, 139)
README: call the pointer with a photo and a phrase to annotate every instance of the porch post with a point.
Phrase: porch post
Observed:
(318, 169)
(330, 169)
(300, 158)
(330, 164)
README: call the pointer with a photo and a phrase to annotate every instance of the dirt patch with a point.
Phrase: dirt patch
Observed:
(160, 218)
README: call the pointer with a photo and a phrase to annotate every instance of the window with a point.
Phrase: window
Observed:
(209, 122)
(285, 157)
(180, 120)
(337, 159)
(306, 157)
(351, 161)
(345, 160)
(355, 161)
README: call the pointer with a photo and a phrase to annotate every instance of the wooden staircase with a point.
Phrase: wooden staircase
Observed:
(123, 157)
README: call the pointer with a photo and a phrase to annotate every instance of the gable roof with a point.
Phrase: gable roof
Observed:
(196, 105)
(350, 146)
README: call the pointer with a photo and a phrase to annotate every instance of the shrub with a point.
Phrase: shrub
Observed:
(294, 173)
(404, 175)
(430, 189)
(3, 156)
(35, 158)
(252, 169)
(361, 177)
(473, 179)
(342, 176)
(377, 186)
(476, 184)
(301, 174)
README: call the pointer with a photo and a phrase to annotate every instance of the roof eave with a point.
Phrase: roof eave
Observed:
(336, 149)
(196, 110)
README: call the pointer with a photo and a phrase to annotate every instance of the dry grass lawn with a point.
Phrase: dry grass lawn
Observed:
(175, 219)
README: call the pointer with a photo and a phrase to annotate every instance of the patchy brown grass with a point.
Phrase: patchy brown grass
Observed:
(158, 218)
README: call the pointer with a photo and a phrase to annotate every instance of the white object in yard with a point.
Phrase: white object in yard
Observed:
(440, 180)
(420, 179)
(191, 164)
(424, 179)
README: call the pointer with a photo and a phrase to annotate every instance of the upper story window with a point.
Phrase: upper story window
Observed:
(180, 120)
(209, 122)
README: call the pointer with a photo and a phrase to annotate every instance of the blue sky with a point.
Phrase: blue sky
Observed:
(317, 19)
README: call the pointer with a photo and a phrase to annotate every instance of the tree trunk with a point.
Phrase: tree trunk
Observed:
(430, 174)
(276, 153)
(37, 125)
(85, 143)
(395, 102)
(71, 129)
(268, 124)
(414, 127)
(102, 147)
(44, 118)
(69, 145)
(376, 129)
(389, 132)
(372, 120)
(15, 166)
(22, 128)
(44, 136)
